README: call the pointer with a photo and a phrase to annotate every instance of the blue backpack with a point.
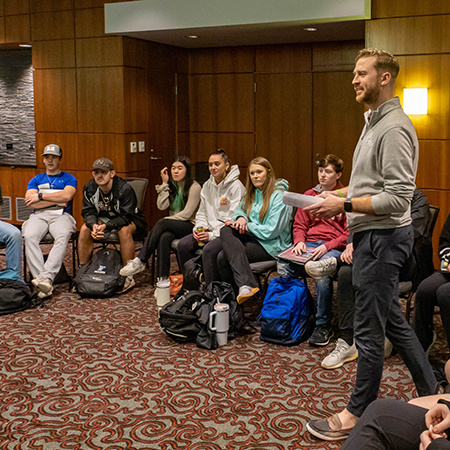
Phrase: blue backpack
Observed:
(287, 315)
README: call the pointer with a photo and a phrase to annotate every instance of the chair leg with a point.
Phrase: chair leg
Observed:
(409, 307)
(25, 277)
(74, 261)
(153, 272)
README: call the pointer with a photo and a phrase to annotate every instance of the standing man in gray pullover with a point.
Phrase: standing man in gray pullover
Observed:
(377, 202)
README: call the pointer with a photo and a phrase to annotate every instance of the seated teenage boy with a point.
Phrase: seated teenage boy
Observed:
(109, 203)
(327, 237)
(50, 195)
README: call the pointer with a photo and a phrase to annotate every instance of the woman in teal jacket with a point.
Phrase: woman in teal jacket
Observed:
(259, 231)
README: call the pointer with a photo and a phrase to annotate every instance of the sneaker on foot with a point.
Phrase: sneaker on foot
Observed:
(323, 268)
(44, 285)
(245, 292)
(129, 284)
(321, 336)
(133, 267)
(341, 354)
(43, 295)
(387, 348)
(328, 429)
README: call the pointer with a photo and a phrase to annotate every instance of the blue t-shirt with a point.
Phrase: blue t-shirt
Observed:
(56, 182)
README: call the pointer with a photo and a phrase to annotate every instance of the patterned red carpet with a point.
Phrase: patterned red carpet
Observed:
(100, 374)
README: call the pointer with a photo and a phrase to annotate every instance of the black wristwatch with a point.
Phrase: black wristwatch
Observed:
(348, 207)
(40, 196)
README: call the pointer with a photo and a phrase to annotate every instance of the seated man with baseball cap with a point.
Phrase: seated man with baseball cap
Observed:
(110, 203)
(50, 195)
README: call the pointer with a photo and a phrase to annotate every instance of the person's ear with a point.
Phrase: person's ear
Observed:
(113, 173)
(385, 78)
(339, 175)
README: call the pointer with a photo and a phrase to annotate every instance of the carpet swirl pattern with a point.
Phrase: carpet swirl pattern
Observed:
(100, 374)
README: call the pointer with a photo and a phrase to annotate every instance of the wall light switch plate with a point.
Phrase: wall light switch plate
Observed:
(133, 147)
(141, 146)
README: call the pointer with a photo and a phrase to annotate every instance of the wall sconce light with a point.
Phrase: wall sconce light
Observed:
(415, 101)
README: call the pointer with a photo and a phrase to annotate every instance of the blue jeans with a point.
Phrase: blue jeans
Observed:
(324, 286)
(378, 257)
(12, 238)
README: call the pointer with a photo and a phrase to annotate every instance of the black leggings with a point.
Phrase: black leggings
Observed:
(238, 251)
(433, 291)
(160, 238)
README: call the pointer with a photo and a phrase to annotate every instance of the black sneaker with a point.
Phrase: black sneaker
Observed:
(321, 336)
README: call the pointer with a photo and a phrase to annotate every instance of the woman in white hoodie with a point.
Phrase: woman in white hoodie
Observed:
(219, 198)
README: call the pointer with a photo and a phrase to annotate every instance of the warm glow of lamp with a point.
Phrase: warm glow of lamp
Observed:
(415, 101)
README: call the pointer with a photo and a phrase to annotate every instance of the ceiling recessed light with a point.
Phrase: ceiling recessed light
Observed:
(24, 45)
(310, 29)
(192, 36)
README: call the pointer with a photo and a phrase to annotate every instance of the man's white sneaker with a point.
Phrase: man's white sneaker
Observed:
(341, 354)
(133, 267)
(323, 268)
(44, 285)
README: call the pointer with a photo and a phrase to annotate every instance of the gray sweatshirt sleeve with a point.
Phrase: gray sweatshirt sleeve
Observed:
(397, 161)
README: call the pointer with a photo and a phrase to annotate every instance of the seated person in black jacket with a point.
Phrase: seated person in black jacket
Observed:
(109, 203)
(434, 291)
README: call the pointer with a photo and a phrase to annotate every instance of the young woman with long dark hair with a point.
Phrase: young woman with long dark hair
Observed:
(181, 195)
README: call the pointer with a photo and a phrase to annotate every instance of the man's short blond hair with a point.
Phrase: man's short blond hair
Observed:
(386, 62)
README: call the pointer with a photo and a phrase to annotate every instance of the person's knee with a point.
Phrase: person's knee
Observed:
(443, 296)
(379, 408)
(14, 236)
(85, 234)
(226, 232)
(126, 233)
(30, 231)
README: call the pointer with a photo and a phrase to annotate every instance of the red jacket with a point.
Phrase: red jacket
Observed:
(308, 229)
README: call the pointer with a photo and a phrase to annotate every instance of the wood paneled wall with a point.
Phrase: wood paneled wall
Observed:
(290, 103)
(418, 34)
(92, 90)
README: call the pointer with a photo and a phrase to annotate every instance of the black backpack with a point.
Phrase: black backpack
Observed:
(186, 319)
(179, 318)
(222, 292)
(100, 277)
(15, 295)
(192, 269)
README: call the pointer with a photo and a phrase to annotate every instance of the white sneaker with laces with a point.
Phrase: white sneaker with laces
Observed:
(133, 267)
(44, 285)
(341, 354)
(323, 268)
